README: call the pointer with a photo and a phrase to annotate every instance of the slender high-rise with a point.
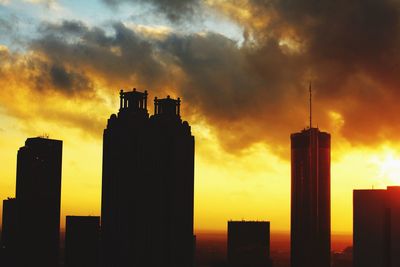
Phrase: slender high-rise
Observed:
(310, 198)
(310, 229)
(148, 185)
(38, 196)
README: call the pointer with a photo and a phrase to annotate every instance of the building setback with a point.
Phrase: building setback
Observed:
(148, 185)
(249, 244)
(82, 240)
(9, 233)
(38, 194)
(310, 198)
(376, 227)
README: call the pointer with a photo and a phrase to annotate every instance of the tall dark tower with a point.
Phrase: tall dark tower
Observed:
(38, 195)
(148, 183)
(310, 199)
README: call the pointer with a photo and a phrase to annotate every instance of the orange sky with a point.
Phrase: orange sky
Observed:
(251, 184)
(242, 69)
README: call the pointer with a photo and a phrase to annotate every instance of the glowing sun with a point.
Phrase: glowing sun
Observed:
(389, 168)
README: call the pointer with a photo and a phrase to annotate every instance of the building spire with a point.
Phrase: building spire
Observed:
(310, 90)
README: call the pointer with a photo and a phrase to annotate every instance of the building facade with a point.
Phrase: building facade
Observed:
(249, 244)
(82, 241)
(9, 232)
(376, 227)
(310, 198)
(148, 185)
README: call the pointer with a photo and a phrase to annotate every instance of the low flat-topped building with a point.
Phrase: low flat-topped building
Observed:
(249, 244)
(82, 241)
(376, 227)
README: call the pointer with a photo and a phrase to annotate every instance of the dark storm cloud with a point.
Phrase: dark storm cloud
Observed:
(354, 34)
(47, 91)
(66, 27)
(51, 76)
(43, 75)
(68, 80)
(226, 83)
(243, 90)
(349, 49)
(353, 49)
(255, 92)
(8, 28)
(5, 26)
(240, 90)
(175, 10)
(117, 57)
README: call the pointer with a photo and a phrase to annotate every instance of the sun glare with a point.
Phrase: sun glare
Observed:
(389, 168)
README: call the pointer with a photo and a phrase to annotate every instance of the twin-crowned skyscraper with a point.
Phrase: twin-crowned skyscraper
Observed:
(148, 185)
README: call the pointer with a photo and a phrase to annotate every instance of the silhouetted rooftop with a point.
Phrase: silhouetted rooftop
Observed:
(133, 100)
(167, 106)
(39, 140)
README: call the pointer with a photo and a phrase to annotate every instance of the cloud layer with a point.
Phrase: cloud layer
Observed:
(175, 10)
(251, 92)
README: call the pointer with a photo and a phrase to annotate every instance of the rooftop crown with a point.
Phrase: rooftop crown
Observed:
(133, 100)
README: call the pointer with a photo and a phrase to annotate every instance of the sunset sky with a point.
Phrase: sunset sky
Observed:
(241, 68)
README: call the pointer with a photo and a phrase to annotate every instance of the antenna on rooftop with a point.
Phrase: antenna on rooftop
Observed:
(310, 105)
(45, 136)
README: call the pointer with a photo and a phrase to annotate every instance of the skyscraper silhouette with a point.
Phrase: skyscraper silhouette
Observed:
(82, 240)
(376, 227)
(249, 244)
(38, 196)
(310, 198)
(148, 184)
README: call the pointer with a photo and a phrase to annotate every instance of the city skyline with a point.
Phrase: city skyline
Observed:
(200, 230)
(242, 70)
(157, 184)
